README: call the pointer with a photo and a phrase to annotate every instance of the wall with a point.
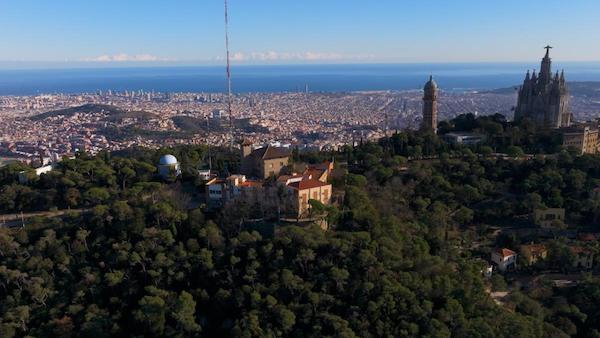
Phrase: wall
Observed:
(321, 194)
(273, 167)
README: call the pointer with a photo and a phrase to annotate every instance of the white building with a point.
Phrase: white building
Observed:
(24, 175)
(217, 114)
(505, 259)
(220, 191)
(463, 138)
(206, 174)
(487, 272)
(216, 192)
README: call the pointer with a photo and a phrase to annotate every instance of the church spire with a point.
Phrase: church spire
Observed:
(556, 84)
(546, 70)
(544, 98)
(526, 87)
(547, 48)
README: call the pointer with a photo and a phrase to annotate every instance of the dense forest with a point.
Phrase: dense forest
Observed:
(137, 260)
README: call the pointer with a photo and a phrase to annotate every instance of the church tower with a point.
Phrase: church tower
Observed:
(546, 69)
(544, 98)
(430, 92)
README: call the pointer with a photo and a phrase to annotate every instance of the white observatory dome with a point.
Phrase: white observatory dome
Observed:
(168, 160)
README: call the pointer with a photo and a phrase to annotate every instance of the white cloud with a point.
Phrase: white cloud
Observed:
(126, 58)
(293, 56)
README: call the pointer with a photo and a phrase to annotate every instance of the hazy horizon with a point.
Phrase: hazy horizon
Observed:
(281, 78)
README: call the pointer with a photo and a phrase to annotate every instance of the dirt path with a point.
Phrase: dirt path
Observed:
(12, 220)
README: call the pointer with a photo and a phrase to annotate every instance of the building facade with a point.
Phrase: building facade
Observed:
(543, 98)
(430, 111)
(263, 162)
(533, 253)
(312, 184)
(319, 171)
(306, 189)
(220, 191)
(584, 139)
(463, 138)
(583, 258)
(547, 218)
(504, 259)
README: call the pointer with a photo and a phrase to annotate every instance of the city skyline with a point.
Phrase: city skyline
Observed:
(269, 32)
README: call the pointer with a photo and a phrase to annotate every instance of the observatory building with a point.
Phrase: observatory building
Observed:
(168, 166)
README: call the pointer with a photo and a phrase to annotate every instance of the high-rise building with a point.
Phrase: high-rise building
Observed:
(430, 92)
(544, 98)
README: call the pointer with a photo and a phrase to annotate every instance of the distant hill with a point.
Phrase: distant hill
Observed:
(195, 125)
(580, 89)
(191, 124)
(114, 113)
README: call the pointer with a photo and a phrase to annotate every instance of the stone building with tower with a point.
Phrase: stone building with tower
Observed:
(263, 162)
(543, 98)
(430, 112)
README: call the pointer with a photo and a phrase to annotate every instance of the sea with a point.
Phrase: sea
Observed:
(280, 78)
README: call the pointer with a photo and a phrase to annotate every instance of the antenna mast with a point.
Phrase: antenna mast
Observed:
(208, 143)
(386, 126)
(228, 76)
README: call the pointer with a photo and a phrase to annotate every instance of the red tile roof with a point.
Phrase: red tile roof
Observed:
(269, 152)
(314, 172)
(580, 249)
(534, 248)
(587, 237)
(307, 184)
(254, 184)
(326, 165)
(504, 252)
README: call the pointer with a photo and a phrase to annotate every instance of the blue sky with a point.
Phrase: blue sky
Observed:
(297, 31)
